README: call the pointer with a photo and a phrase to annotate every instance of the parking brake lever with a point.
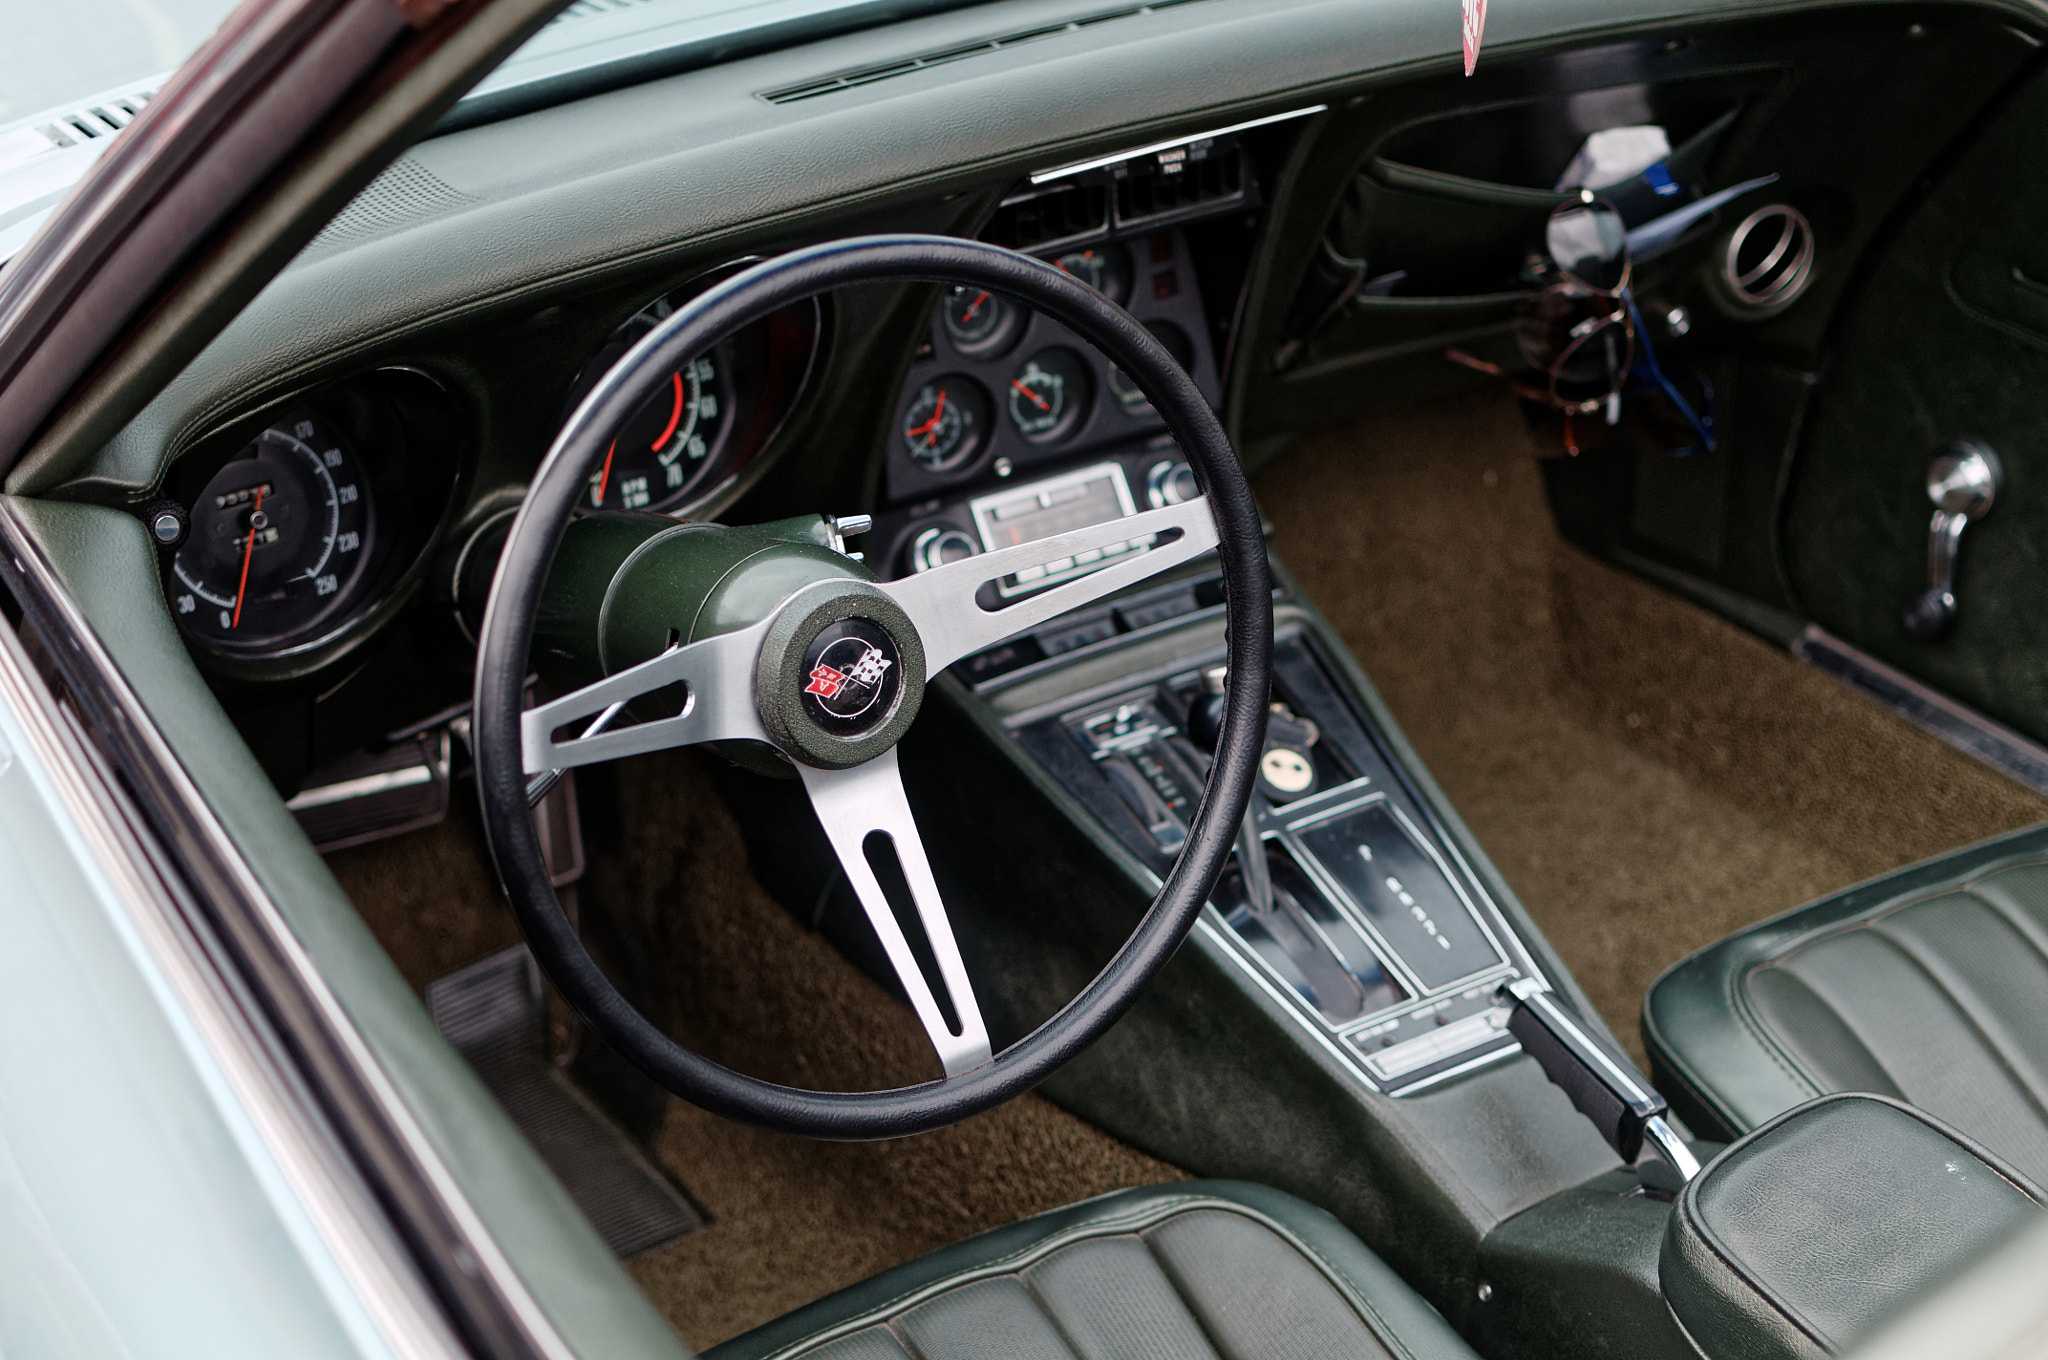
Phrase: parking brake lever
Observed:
(1598, 1077)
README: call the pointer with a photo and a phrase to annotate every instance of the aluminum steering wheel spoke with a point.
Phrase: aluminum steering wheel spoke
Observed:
(717, 679)
(867, 801)
(952, 623)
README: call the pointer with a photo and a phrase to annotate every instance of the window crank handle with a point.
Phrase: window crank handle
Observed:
(1963, 481)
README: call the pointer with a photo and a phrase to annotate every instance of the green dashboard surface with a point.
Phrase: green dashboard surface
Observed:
(499, 223)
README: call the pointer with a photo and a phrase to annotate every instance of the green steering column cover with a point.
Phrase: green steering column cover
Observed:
(625, 586)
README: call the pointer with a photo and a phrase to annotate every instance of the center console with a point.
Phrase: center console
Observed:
(1377, 937)
(1346, 1019)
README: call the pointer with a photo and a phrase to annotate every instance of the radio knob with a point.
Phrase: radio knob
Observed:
(1170, 482)
(939, 547)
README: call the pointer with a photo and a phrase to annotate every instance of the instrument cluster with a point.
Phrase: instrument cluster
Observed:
(997, 388)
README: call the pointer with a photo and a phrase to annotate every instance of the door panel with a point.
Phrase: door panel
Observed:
(1948, 338)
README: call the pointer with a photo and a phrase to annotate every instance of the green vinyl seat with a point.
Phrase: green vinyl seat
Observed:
(1199, 1270)
(1929, 985)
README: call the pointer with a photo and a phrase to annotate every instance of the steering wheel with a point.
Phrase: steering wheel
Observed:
(771, 679)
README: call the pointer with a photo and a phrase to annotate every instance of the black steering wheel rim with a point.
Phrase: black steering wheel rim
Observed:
(505, 639)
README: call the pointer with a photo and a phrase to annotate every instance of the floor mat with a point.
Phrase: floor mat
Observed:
(790, 1219)
(1648, 777)
(495, 1015)
(794, 1219)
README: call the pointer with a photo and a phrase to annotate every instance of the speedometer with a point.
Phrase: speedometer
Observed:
(277, 542)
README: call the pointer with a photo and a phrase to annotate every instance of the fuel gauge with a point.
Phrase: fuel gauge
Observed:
(1049, 396)
(1106, 268)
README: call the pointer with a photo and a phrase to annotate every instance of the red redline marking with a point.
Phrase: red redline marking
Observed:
(606, 475)
(675, 415)
(248, 551)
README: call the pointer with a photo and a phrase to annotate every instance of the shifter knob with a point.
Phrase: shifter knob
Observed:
(1286, 769)
(1205, 715)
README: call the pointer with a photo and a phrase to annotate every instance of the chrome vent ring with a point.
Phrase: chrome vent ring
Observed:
(1767, 261)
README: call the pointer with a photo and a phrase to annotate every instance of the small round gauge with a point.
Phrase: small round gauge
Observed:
(664, 451)
(981, 323)
(1174, 341)
(941, 546)
(1049, 395)
(1106, 268)
(277, 542)
(946, 423)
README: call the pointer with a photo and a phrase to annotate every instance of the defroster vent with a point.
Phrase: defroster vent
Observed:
(940, 56)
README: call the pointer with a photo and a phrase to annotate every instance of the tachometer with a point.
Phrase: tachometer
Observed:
(669, 445)
(277, 541)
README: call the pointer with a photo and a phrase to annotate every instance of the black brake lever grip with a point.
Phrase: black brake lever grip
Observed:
(1601, 1082)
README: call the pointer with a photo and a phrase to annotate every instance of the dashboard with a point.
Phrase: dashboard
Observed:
(327, 556)
(325, 481)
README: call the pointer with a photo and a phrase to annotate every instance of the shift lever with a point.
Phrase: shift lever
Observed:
(1602, 1083)
(1205, 722)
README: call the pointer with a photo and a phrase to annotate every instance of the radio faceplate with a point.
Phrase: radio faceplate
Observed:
(1076, 500)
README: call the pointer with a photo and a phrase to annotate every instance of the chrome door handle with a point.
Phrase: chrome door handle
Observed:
(1963, 481)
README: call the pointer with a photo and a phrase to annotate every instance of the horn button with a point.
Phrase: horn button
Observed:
(841, 675)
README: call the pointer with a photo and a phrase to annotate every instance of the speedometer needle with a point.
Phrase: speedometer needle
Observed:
(248, 551)
(1040, 402)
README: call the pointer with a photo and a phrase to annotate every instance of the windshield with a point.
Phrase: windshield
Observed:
(54, 54)
(72, 74)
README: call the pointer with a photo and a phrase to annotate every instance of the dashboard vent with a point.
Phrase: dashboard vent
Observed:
(867, 75)
(1050, 217)
(1767, 262)
(96, 121)
(1180, 181)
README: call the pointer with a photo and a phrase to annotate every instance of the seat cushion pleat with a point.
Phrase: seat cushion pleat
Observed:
(2025, 888)
(1255, 1296)
(994, 1319)
(1818, 1037)
(1930, 1049)
(1113, 1302)
(869, 1343)
(1996, 978)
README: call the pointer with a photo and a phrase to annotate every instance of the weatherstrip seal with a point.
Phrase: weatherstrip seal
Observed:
(474, 1279)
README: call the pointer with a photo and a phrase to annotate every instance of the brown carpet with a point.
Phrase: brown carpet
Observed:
(1648, 777)
(791, 1219)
